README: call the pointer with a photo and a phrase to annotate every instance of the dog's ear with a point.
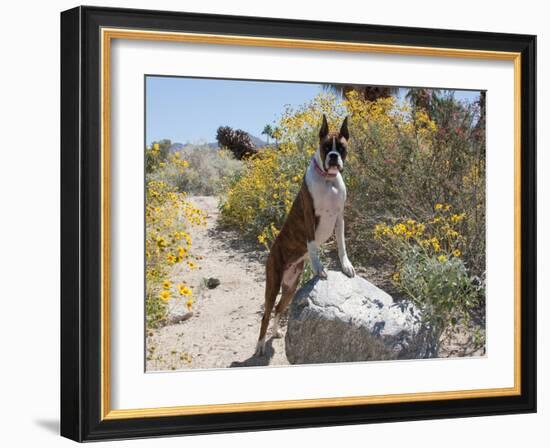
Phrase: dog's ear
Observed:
(323, 132)
(344, 129)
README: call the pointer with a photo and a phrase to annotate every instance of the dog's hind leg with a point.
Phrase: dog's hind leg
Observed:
(291, 278)
(272, 286)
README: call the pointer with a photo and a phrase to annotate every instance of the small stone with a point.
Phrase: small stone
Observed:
(212, 283)
(180, 318)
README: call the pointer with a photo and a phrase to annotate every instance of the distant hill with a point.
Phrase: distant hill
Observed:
(174, 147)
(258, 142)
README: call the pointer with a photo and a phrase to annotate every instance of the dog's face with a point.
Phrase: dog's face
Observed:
(333, 146)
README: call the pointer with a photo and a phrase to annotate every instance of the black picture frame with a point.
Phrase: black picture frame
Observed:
(81, 224)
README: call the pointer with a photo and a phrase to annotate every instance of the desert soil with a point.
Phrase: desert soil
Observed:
(223, 330)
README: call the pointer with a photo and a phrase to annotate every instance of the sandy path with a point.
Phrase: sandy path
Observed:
(224, 327)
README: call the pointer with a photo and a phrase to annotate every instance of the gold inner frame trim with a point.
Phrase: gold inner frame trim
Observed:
(107, 35)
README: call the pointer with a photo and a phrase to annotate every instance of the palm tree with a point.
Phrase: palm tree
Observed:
(268, 132)
(369, 93)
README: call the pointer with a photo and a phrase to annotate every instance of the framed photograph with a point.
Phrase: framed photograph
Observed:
(276, 224)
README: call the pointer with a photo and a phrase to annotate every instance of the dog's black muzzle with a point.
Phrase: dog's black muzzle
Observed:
(333, 160)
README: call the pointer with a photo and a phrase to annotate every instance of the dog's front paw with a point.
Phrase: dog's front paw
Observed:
(347, 267)
(318, 269)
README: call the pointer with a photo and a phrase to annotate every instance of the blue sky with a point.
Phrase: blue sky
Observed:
(191, 109)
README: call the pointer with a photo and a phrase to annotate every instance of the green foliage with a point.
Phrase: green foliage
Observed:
(441, 287)
(155, 310)
(430, 270)
(156, 154)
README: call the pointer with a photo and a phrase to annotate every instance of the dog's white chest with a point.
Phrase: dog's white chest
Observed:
(329, 197)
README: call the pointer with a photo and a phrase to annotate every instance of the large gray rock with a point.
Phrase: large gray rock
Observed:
(345, 319)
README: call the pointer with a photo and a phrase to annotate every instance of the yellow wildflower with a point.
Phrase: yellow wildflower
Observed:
(399, 229)
(458, 218)
(185, 290)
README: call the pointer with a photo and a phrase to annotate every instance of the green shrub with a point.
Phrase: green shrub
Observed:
(198, 170)
(210, 169)
(405, 160)
(430, 270)
(156, 155)
(441, 287)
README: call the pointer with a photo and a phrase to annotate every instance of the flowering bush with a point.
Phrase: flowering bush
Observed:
(168, 218)
(429, 268)
(439, 236)
(402, 163)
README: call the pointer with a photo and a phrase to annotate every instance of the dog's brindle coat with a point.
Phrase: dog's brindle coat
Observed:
(317, 212)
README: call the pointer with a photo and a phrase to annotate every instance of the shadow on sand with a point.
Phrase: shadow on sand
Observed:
(256, 360)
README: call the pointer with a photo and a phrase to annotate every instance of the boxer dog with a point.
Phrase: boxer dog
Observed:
(317, 213)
